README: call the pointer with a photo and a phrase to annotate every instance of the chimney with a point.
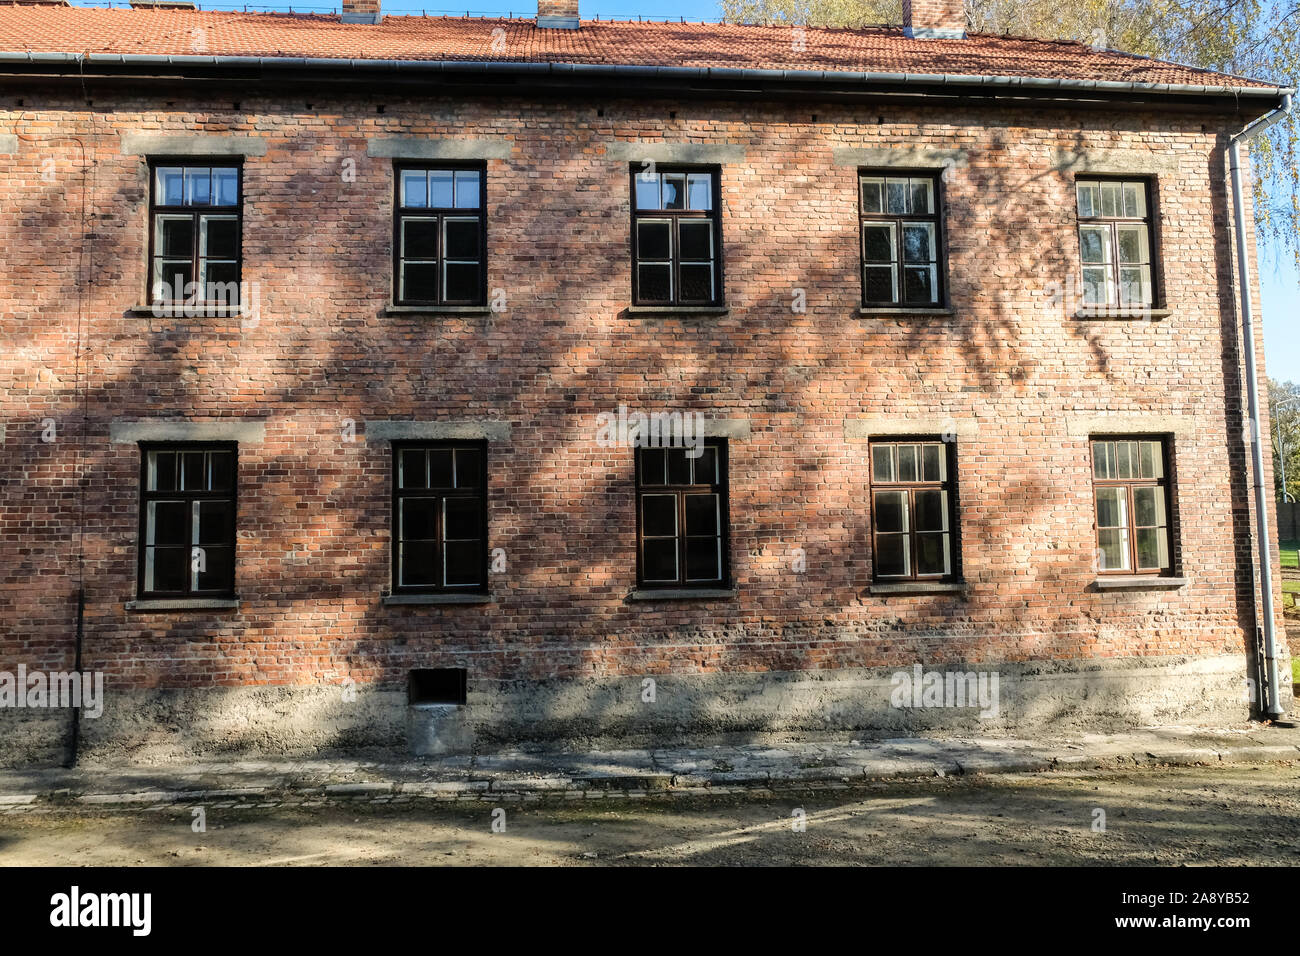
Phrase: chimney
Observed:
(934, 19)
(361, 11)
(557, 14)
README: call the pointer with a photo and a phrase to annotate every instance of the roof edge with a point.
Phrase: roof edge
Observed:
(1025, 85)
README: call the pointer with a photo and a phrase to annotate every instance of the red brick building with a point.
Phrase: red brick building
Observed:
(943, 329)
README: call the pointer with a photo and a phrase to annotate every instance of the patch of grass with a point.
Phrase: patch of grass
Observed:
(1295, 671)
(1291, 554)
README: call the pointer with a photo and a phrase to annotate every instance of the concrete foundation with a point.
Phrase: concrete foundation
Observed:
(1042, 698)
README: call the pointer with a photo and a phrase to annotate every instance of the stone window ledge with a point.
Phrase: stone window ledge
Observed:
(395, 600)
(677, 310)
(917, 587)
(895, 310)
(1149, 582)
(183, 604)
(1153, 314)
(682, 594)
(182, 311)
(437, 310)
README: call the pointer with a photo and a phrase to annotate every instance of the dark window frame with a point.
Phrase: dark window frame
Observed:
(1150, 220)
(948, 484)
(896, 220)
(722, 488)
(713, 215)
(1165, 482)
(157, 209)
(398, 493)
(146, 448)
(441, 213)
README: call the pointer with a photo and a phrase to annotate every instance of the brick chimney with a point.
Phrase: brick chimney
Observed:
(934, 19)
(361, 11)
(557, 14)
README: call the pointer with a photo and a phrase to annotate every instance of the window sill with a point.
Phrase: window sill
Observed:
(917, 587)
(183, 604)
(182, 310)
(897, 310)
(677, 310)
(1149, 582)
(682, 594)
(437, 309)
(391, 600)
(1123, 313)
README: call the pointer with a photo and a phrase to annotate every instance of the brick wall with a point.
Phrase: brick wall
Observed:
(313, 527)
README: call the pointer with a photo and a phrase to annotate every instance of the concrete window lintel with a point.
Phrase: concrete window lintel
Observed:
(188, 144)
(435, 148)
(726, 428)
(1141, 582)
(463, 430)
(8, 144)
(904, 157)
(1128, 423)
(864, 428)
(1122, 162)
(244, 432)
(690, 153)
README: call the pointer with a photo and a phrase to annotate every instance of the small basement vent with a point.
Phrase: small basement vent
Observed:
(437, 685)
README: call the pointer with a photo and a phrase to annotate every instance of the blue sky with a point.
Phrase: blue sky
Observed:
(1278, 278)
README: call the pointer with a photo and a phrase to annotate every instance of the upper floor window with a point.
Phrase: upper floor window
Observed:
(682, 516)
(901, 239)
(912, 510)
(1133, 507)
(440, 511)
(676, 237)
(187, 521)
(440, 240)
(1115, 248)
(195, 234)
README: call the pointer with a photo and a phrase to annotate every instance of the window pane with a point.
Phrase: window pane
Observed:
(659, 559)
(1112, 508)
(463, 284)
(932, 463)
(169, 186)
(896, 196)
(919, 285)
(176, 274)
(878, 242)
(412, 471)
(922, 197)
(918, 242)
(882, 463)
(216, 567)
(1148, 507)
(194, 476)
(462, 519)
(1111, 205)
(219, 237)
(1133, 246)
(1103, 459)
(931, 511)
(222, 466)
(420, 281)
(878, 284)
(699, 191)
(415, 188)
(706, 466)
(1096, 286)
(1094, 244)
(1124, 459)
(652, 466)
(162, 471)
(440, 189)
(891, 511)
(891, 555)
(679, 467)
(697, 283)
(461, 239)
(1152, 549)
(198, 186)
(168, 522)
(225, 187)
(469, 464)
(440, 473)
(214, 522)
(703, 559)
(907, 463)
(416, 563)
(418, 519)
(674, 190)
(871, 201)
(467, 188)
(174, 236)
(1088, 202)
(463, 563)
(419, 238)
(654, 239)
(166, 569)
(1135, 285)
(696, 239)
(655, 283)
(647, 191)
(220, 281)
(932, 554)
(1135, 200)
(1113, 545)
(702, 514)
(658, 515)
(1153, 463)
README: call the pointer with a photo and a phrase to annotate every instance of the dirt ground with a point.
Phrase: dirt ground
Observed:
(1233, 815)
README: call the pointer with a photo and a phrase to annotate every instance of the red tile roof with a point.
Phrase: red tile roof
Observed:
(54, 29)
